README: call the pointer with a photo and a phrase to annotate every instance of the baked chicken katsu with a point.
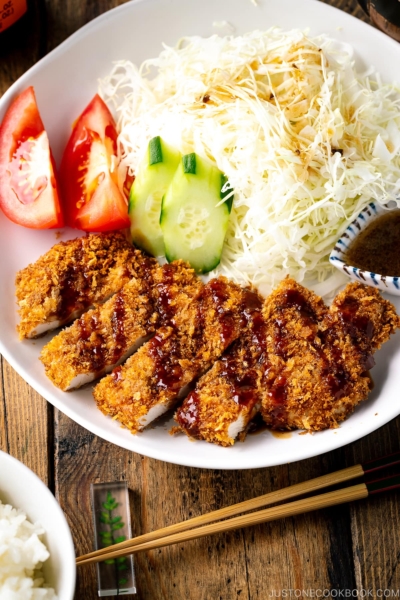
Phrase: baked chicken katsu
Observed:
(158, 375)
(70, 278)
(228, 396)
(306, 367)
(319, 360)
(221, 350)
(106, 335)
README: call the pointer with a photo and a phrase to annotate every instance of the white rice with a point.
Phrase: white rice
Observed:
(21, 556)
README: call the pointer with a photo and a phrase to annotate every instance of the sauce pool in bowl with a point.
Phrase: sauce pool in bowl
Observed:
(377, 247)
(369, 249)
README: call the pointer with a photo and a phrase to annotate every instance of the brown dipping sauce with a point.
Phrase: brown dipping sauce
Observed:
(377, 247)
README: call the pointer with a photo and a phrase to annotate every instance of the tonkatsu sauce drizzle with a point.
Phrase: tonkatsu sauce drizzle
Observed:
(189, 418)
(226, 319)
(118, 327)
(98, 347)
(325, 343)
(166, 295)
(290, 299)
(167, 370)
(239, 362)
(278, 396)
(360, 329)
(353, 323)
(243, 382)
(278, 390)
(254, 321)
(247, 389)
(73, 295)
(377, 247)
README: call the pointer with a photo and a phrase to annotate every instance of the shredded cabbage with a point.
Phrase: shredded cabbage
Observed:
(305, 141)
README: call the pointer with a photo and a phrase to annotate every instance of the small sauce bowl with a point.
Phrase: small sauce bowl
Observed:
(339, 259)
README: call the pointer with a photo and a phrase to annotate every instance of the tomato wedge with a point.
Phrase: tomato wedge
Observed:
(28, 188)
(92, 199)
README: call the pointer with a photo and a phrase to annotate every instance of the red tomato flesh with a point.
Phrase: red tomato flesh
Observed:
(92, 199)
(28, 188)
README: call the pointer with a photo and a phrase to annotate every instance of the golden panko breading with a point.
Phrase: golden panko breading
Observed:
(364, 315)
(153, 379)
(318, 359)
(304, 365)
(228, 396)
(298, 363)
(109, 333)
(70, 278)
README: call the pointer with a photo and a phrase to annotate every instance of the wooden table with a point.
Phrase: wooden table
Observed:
(346, 549)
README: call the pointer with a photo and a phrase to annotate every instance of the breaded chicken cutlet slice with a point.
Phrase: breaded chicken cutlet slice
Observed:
(317, 368)
(228, 396)
(106, 335)
(70, 278)
(153, 379)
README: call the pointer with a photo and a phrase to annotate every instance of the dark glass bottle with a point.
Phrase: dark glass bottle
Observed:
(12, 12)
(21, 41)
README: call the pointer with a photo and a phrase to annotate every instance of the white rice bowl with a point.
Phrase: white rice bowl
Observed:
(22, 554)
(37, 556)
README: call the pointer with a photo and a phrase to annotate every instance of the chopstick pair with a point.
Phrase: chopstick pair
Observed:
(207, 525)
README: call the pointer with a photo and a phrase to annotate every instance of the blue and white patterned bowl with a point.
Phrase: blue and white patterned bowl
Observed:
(391, 285)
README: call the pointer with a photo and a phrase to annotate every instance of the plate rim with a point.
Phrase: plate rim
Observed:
(111, 435)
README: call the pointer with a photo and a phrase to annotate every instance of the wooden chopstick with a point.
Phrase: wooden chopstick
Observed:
(229, 511)
(175, 533)
(290, 509)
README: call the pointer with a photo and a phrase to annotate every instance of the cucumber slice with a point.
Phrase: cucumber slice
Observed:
(153, 178)
(193, 226)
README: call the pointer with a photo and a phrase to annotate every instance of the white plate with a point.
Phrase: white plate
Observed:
(65, 81)
(21, 488)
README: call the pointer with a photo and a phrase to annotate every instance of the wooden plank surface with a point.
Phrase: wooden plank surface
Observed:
(351, 548)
